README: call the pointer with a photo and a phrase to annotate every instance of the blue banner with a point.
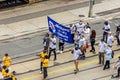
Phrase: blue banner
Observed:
(60, 31)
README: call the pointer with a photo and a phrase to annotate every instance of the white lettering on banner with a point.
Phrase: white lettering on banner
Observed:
(63, 29)
(63, 36)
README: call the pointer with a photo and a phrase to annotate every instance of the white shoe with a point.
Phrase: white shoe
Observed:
(58, 51)
(61, 52)
(40, 72)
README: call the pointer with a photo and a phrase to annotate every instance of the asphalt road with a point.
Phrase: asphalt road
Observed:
(32, 44)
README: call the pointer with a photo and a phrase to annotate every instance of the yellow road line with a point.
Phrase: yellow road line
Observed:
(67, 68)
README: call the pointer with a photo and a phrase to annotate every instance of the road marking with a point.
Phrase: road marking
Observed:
(67, 68)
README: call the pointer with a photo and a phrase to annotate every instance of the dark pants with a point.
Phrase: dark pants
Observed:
(45, 72)
(107, 64)
(118, 42)
(73, 37)
(54, 51)
(41, 66)
(118, 72)
(61, 46)
(105, 35)
(101, 57)
(92, 45)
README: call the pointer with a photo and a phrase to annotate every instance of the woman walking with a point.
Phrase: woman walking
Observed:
(92, 40)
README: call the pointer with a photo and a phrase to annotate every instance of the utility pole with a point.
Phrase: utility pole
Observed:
(91, 3)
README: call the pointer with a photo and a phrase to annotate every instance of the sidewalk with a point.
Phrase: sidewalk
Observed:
(33, 25)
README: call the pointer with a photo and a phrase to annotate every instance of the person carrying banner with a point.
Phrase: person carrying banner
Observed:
(52, 47)
(61, 46)
(73, 30)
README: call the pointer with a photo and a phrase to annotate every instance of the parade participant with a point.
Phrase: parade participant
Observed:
(118, 34)
(108, 57)
(45, 66)
(110, 39)
(73, 30)
(52, 47)
(117, 66)
(82, 46)
(106, 29)
(6, 60)
(76, 55)
(61, 46)
(3, 70)
(102, 46)
(80, 26)
(42, 57)
(76, 38)
(92, 40)
(86, 31)
(46, 41)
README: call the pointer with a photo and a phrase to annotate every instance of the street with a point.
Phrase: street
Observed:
(24, 47)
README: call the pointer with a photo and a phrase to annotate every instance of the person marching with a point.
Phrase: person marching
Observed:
(45, 66)
(106, 29)
(7, 60)
(108, 57)
(76, 54)
(118, 34)
(102, 46)
(110, 39)
(117, 66)
(61, 46)
(42, 57)
(46, 41)
(52, 47)
(92, 40)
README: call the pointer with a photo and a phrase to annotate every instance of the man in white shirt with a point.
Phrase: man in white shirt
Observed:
(76, 54)
(52, 47)
(102, 47)
(106, 29)
(80, 26)
(110, 39)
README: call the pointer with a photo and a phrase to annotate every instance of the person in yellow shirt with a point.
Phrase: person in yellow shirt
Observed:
(7, 75)
(42, 57)
(45, 66)
(13, 75)
(3, 70)
(7, 60)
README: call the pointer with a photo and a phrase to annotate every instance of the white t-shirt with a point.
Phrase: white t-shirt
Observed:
(76, 54)
(80, 27)
(106, 27)
(52, 45)
(73, 28)
(110, 40)
(102, 46)
(82, 42)
(77, 38)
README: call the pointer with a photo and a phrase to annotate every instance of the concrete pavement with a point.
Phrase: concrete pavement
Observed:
(10, 29)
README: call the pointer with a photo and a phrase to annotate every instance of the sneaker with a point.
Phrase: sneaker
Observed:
(61, 51)
(40, 72)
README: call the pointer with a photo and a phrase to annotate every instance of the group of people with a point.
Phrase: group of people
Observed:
(82, 35)
(6, 71)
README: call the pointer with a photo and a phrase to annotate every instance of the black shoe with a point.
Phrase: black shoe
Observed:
(90, 50)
